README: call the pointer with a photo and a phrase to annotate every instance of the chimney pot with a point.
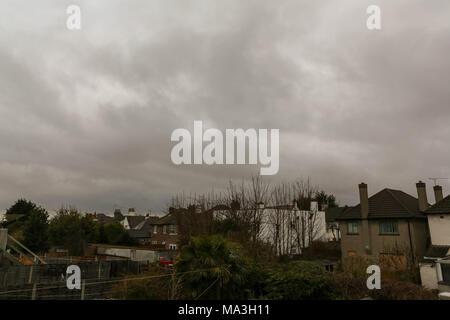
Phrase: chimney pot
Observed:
(438, 196)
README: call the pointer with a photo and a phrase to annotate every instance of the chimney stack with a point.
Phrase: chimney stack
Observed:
(314, 207)
(422, 195)
(364, 200)
(118, 215)
(364, 203)
(438, 196)
(131, 212)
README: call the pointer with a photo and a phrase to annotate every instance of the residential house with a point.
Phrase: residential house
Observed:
(104, 218)
(142, 232)
(161, 232)
(435, 266)
(131, 220)
(287, 228)
(165, 232)
(331, 219)
(389, 228)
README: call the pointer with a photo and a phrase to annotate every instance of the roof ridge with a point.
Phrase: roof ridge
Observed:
(400, 202)
(439, 202)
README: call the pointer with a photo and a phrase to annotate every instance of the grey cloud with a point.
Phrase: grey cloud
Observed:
(86, 116)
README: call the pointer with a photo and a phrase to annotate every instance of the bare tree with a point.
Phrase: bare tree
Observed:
(278, 215)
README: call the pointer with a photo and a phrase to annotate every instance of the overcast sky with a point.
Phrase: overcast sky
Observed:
(86, 116)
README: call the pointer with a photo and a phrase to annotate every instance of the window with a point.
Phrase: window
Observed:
(154, 242)
(352, 227)
(329, 267)
(445, 268)
(173, 229)
(293, 249)
(172, 247)
(155, 229)
(389, 227)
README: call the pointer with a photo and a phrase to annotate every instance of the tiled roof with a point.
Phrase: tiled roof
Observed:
(332, 213)
(387, 203)
(438, 252)
(147, 224)
(134, 220)
(168, 219)
(136, 234)
(442, 206)
(103, 218)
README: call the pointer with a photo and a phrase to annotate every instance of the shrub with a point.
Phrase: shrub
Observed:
(402, 290)
(160, 284)
(348, 287)
(355, 288)
(297, 280)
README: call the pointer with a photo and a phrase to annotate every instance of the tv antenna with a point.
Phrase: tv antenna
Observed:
(436, 179)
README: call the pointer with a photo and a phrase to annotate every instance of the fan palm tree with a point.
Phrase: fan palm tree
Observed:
(213, 267)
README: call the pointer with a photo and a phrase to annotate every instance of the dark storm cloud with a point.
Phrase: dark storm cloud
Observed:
(86, 116)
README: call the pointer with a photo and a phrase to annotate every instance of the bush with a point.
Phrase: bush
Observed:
(298, 280)
(159, 285)
(114, 233)
(322, 250)
(348, 287)
(402, 290)
(355, 288)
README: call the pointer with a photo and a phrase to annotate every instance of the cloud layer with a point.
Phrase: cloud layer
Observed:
(86, 116)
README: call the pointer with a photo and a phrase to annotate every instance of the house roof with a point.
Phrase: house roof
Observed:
(147, 223)
(133, 221)
(331, 214)
(438, 251)
(387, 203)
(442, 206)
(103, 218)
(168, 219)
(136, 234)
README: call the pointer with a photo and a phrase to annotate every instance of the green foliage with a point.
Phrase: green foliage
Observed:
(72, 231)
(297, 280)
(17, 215)
(158, 286)
(35, 231)
(22, 206)
(323, 198)
(115, 233)
(402, 290)
(348, 287)
(321, 250)
(226, 226)
(354, 288)
(90, 229)
(214, 268)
